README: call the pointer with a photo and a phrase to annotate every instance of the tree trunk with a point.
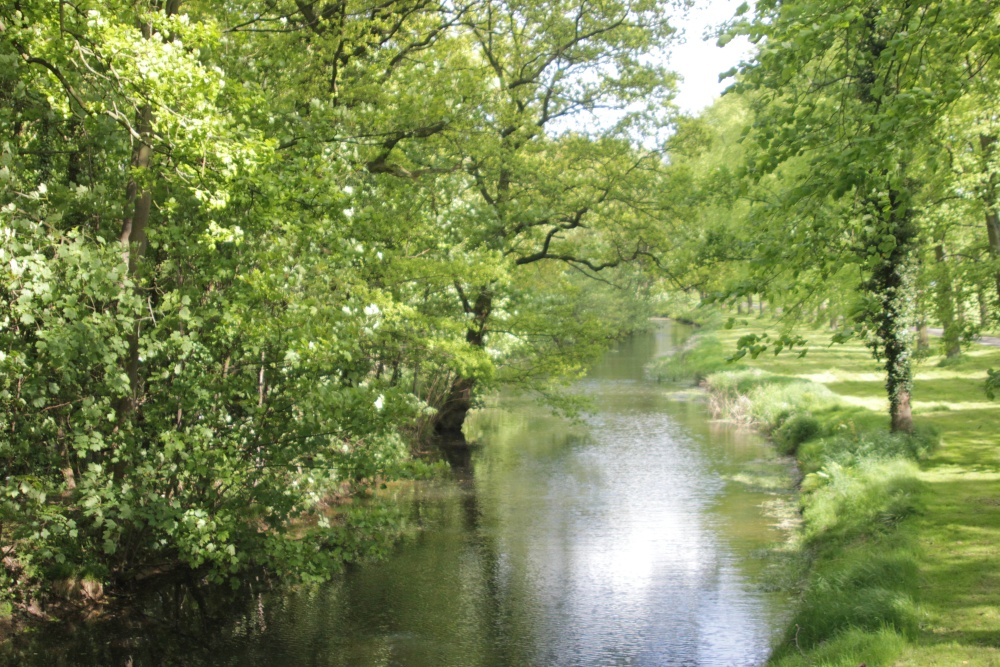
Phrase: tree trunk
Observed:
(452, 413)
(993, 233)
(952, 336)
(138, 204)
(989, 198)
(902, 415)
(892, 322)
(899, 376)
(923, 336)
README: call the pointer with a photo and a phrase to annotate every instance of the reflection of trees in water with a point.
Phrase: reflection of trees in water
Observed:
(173, 621)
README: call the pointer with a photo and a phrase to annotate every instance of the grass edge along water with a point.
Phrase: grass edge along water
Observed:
(863, 493)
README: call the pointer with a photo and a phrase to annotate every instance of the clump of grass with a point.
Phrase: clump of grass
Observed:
(862, 500)
(867, 588)
(765, 400)
(417, 468)
(796, 430)
(850, 648)
(850, 446)
(949, 362)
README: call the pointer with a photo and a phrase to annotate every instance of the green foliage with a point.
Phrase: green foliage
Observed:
(877, 220)
(755, 344)
(794, 431)
(243, 268)
(992, 383)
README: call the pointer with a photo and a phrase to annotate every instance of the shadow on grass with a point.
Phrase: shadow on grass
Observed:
(903, 561)
(959, 575)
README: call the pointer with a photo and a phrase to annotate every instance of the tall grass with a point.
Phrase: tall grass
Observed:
(764, 400)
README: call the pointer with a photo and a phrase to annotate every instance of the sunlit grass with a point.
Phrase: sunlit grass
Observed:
(928, 538)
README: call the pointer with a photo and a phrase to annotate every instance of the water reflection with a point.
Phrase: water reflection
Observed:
(614, 542)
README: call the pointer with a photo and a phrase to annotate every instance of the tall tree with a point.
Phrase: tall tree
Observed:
(855, 87)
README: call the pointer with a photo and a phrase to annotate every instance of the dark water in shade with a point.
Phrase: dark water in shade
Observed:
(614, 542)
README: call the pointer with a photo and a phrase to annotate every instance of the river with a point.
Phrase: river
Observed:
(626, 539)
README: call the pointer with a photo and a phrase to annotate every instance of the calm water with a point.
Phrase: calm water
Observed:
(618, 541)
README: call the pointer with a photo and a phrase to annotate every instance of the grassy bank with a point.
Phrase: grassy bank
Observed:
(901, 535)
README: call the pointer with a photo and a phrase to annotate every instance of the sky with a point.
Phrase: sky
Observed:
(700, 62)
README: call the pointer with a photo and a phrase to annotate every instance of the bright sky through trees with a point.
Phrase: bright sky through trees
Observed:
(698, 60)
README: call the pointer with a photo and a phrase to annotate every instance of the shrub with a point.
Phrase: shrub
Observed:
(797, 429)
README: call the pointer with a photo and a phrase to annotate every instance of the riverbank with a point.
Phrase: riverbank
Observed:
(901, 536)
(631, 536)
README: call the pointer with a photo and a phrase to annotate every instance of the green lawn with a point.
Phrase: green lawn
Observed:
(957, 531)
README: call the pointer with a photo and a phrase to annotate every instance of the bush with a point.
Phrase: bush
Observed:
(796, 430)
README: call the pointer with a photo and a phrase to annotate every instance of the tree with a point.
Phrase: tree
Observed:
(184, 375)
(855, 88)
(249, 249)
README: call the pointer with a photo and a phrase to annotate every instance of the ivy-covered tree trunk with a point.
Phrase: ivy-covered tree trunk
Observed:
(891, 318)
(893, 237)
